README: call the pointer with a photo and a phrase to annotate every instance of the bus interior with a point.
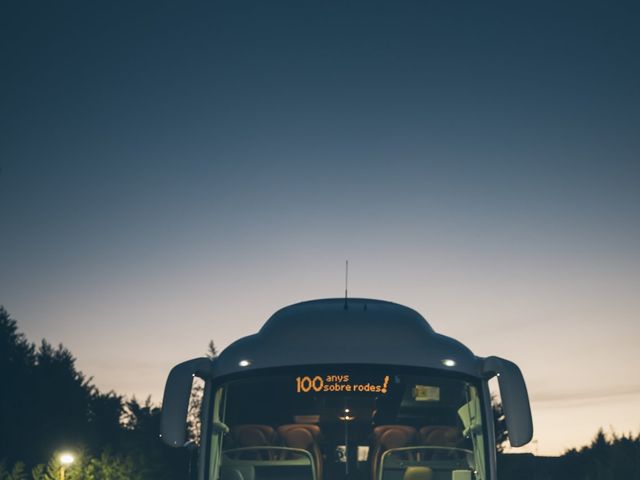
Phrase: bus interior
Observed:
(351, 423)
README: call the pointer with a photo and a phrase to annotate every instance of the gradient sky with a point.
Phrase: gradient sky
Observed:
(172, 173)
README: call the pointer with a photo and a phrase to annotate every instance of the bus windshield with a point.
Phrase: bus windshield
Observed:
(348, 423)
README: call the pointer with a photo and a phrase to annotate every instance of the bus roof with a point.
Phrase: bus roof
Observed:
(354, 331)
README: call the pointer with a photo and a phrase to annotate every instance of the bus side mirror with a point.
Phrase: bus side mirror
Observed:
(515, 399)
(175, 403)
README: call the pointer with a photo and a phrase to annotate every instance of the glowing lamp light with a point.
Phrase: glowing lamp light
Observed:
(244, 363)
(66, 459)
(448, 362)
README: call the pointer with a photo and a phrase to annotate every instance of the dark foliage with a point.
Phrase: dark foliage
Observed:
(613, 458)
(195, 402)
(616, 457)
(499, 424)
(48, 405)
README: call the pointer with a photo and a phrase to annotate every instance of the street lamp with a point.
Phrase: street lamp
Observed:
(66, 459)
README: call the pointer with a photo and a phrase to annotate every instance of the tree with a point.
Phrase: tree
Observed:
(62, 403)
(105, 412)
(195, 402)
(16, 473)
(110, 467)
(51, 470)
(499, 424)
(17, 360)
(212, 351)
(42, 392)
(48, 404)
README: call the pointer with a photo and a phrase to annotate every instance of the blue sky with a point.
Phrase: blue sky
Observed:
(171, 174)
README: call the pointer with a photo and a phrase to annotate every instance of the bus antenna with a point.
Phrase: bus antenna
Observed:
(346, 283)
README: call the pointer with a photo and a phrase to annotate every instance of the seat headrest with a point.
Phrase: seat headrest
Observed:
(394, 439)
(378, 432)
(297, 438)
(312, 429)
(440, 435)
(253, 435)
(418, 473)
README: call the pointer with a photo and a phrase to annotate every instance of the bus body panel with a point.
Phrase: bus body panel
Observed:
(335, 331)
(352, 333)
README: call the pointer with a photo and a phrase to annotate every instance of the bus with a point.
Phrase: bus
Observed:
(346, 389)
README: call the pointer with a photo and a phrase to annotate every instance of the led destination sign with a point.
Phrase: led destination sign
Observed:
(340, 383)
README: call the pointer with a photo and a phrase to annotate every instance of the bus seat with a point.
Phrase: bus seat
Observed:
(304, 437)
(254, 436)
(440, 436)
(386, 437)
(314, 430)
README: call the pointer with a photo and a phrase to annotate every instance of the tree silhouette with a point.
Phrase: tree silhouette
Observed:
(195, 402)
(499, 424)
(17, 472)
(17, 360)
(614, 457)
(48, 404)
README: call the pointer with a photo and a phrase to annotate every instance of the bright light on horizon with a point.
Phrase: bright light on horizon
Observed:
(66, 459)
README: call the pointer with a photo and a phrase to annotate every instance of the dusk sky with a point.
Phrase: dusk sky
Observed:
(175, 172)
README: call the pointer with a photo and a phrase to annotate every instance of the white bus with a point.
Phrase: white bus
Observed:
(346, 389)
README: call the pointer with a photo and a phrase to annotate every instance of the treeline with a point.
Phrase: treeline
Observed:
(608, 457)
(47, 405)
